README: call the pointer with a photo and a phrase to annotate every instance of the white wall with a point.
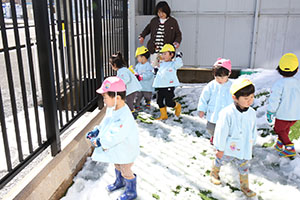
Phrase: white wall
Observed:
(224, 28)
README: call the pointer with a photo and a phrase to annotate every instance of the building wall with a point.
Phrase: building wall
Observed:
(228, 28)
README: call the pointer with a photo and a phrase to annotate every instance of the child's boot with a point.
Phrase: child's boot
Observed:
(289, 151)
(177, 109)
(163, 114)
(134, 113)
(214, 175)
(148, 105)
(278, 146)
(130, 191)
(244, 182)
(138, 108)
(119, 182)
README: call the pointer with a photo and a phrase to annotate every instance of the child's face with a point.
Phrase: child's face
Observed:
(113, 67)
(161, 14)
(244, 101)
(109, 101)
(141, 59)
(167, 56)
(221, 79)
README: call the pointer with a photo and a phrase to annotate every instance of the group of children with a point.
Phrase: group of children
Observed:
(225, 104)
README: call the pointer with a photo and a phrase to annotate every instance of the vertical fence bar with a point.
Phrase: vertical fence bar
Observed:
(92, 49)
(107, 31)
(31, 70)
(125, 27)
(10, 84)
(83, 55)
(46, 73)
(67, 15)
(21, 74)
(4, 135)
(61, 52)
(72, 46)
(98, 44)
(87, 49)
(55, 59)
(78, 54)
(103, 19)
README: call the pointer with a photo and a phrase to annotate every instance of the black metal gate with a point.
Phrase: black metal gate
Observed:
(51, 64)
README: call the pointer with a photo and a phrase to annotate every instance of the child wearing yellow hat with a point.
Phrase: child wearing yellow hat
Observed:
(235, 134)
(144, 73)
(166, 80)
(284, 104)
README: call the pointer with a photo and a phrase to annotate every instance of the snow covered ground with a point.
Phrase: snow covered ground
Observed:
(176, 158)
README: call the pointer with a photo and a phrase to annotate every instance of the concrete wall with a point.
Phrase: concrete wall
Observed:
(51, 178)
(249, 32)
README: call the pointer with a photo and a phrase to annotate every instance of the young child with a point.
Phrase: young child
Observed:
(116, 138)
(166, 80)
(145, 75)
(132, 84)
(235, 134)
(215, 95)
(284, 104)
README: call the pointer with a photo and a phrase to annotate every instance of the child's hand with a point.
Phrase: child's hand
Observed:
(96, 142)
(219, 154)
(201, 114)
(176, 45)
(139, 77)
(92, 134)
(270, 117)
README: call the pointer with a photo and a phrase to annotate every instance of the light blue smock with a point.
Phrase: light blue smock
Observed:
(131, 82)
(235, 132)
(214, 98)
(284, 99)
(119, 136)
(167, 74)
(146, 70)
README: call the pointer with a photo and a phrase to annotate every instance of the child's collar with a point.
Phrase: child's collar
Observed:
(240, 109)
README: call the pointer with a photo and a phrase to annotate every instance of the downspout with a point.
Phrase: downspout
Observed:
(254, 38)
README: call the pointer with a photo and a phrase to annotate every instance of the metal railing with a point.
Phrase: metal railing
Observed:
(51, 66)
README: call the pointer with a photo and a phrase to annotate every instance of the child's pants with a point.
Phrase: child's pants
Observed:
(140, 95)
(282, 129)
(130, 100)
(165, 97)
(243, 165)
(125, 170)
(210, 127)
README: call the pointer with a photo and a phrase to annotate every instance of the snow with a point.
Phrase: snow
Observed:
(175, 162)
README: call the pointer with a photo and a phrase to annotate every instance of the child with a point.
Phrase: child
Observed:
(235, 134)
(284, 104)
(132, 84)
(166, 80)
(215, 95)
(116, 138)
(145, 75)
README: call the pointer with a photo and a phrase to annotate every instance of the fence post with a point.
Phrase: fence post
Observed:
(41, 18)
(98, 46)
(125, 29)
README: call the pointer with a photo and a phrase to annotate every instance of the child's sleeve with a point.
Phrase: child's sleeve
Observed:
(178, 63)
(254, 136)
(125, 77)
(148, 74)
(221, 131)
(275, 98)
(115, 135)
(204, 99)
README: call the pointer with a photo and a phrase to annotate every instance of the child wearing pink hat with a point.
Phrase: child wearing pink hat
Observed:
(116, 137)
(215, 95)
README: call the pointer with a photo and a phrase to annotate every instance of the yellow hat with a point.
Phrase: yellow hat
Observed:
(141, 50)
(288, 62)
(239, 84)
(167, 47)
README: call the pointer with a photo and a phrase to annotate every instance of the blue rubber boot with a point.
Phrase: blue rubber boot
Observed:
(119, 182)
(130, 191)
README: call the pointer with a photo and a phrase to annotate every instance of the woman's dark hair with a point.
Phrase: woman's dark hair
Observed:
(286, 74)
(220, 71)
(246, 91)
(164, 7)
(117, 59)
(147, 54)
(121, 94)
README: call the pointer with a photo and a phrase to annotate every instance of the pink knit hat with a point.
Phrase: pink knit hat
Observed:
(222, 62)
(112, 84)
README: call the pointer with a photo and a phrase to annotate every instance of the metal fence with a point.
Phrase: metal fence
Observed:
(52, 63)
